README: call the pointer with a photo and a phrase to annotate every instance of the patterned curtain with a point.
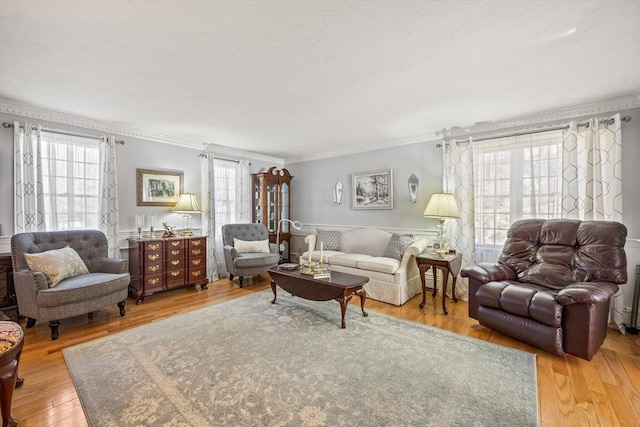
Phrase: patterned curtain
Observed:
(243, 192)
(458, 179)
(592, 181)
(29, 195)
(108, 208)
(209, 215)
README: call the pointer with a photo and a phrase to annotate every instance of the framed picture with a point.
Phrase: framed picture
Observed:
(373, 190)
(158, 188)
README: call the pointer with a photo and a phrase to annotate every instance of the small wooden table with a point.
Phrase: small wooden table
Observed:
(11, 342)
(340, 287)
(447, 263)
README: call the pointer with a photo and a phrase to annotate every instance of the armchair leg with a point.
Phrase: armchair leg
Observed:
(230, 277)
(121, 306)
(54, 329)
(240, 280)
(31, 322)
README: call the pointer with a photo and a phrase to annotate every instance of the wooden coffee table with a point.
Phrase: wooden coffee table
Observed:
(340, 287)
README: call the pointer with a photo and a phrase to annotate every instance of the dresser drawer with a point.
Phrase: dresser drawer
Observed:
(154, 246)
(174, 253)
(151, 268)
(197, 262)
(197, 275)
(152, 283)
(174, 278)
(174, 264)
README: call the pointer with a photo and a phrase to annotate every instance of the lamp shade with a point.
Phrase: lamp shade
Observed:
(442, 205)
(187, 202)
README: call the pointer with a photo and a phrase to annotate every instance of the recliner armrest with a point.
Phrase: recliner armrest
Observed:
(488, 272)
(586, 293)
(113, 265)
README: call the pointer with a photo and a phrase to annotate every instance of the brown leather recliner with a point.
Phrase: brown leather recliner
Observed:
(552, 285)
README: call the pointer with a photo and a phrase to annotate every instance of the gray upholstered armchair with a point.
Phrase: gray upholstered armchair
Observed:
(247, 251)
(53, 290)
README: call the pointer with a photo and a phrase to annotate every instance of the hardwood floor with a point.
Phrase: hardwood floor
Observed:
(571, 391)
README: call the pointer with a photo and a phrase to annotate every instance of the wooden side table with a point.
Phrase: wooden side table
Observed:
(11, 342)
(446, 263)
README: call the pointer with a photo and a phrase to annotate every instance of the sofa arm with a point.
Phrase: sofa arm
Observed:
(113, 265)
(586, 293)
(417, 247)
(27, 284)
(488, 272)
(311, 238)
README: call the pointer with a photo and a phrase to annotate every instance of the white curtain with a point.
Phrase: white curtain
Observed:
(458, 179)
(592, 181)
(243, 192)
(29, 195)
(208, 214)
(108, 200)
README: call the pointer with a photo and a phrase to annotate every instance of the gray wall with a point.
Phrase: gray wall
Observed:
(135, 154)
(314, 181)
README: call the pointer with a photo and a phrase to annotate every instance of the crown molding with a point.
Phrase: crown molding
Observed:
(17, 109)
(234, 153)
(390, 143)
(600, 107)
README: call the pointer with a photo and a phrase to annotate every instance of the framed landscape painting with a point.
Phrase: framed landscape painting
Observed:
(373, 190)
(158, 188)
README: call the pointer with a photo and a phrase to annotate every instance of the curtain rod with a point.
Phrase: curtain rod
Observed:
(510, 135)
(222, 158)
(7, 125)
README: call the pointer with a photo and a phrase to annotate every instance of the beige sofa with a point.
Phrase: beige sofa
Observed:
(393, 278)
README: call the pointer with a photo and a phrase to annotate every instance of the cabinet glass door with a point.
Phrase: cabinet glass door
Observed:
(271, 207)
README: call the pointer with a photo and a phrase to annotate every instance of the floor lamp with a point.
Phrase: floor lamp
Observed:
(295, 224)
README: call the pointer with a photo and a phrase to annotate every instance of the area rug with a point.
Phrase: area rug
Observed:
(248, 362)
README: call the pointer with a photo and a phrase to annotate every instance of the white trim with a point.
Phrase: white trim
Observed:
(235, 154)
(391, 143)
(601, 107)
(16, 109)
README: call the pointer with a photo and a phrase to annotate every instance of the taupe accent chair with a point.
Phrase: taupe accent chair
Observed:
(553, 284)
(243, 264)
(106, 283)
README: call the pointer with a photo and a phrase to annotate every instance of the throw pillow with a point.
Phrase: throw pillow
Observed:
(57, 264)
(244, 246)
(330, 240)
(397, 245)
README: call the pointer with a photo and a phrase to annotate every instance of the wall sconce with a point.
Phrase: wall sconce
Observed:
(413, 188)
(337, 193)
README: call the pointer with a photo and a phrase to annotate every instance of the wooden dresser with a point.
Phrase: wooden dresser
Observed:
(162, 264)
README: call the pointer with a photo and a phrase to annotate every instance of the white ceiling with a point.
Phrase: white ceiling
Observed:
(288, 79)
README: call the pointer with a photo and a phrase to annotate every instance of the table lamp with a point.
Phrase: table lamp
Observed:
(441, 206)
(187, 204)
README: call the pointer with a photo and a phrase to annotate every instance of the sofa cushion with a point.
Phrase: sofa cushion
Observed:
(246, 246)
(381, 264)
(348, 260)
(368, 241)
(256, 259)
(329, 238)
(57, 264)
(83, 288)
(398, 244)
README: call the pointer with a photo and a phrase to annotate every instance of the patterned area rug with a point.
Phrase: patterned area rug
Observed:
(247, 362)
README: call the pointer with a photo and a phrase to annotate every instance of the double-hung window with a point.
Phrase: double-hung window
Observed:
(70, 180)
(514, 178)
(225, 193)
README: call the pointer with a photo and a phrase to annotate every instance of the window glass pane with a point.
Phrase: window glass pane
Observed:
(72, 202)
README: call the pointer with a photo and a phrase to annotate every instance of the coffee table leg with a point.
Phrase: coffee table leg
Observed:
(344, 302)
(363, 297)
(273, 288)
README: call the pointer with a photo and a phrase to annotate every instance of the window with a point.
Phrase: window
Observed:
(515, 178)
(225, 193)
(70, 177)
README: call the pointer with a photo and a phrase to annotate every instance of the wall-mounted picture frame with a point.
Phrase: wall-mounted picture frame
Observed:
(158, 188)
(372, 190)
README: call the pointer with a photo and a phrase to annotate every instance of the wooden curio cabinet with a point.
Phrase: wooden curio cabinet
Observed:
(272, 203)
